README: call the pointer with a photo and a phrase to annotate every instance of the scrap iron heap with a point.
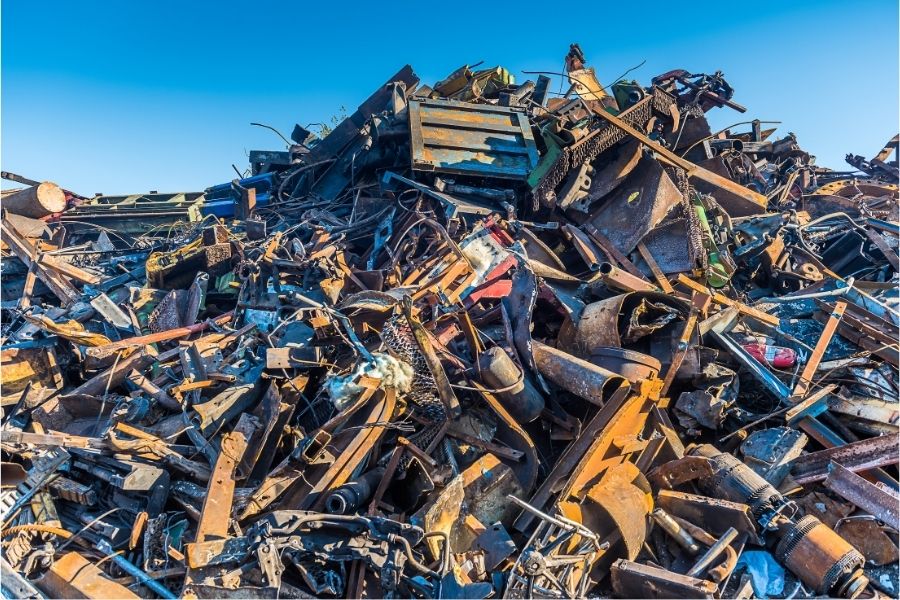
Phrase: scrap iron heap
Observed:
(478, 340)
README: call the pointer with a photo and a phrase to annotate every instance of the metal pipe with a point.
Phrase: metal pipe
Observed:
(586, 380)
(710, 555)
(352, 495)
(616, 278)
(678, 533)
(837, 292)
(135, 571)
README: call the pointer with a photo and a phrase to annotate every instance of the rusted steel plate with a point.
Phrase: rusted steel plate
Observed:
(73, 576)
(467, 139)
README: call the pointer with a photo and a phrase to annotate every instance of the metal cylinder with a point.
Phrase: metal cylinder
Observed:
(519, 397)
(811, 550)
(576, 376)
(714, 551)
(676, 531)
(37, 201)
(618, 279)
(606, 323)
(351, 496)
(822, 559)
(735, 481)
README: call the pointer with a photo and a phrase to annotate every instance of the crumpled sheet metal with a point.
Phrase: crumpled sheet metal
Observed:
(462, 346)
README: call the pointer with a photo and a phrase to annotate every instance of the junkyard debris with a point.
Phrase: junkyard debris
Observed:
(477, 341)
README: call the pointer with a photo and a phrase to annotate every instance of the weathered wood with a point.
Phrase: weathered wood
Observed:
(37, 201)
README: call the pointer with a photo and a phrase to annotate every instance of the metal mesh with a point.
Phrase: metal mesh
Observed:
(398, 336)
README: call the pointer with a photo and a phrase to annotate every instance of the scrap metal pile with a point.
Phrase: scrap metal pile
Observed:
(480, 340)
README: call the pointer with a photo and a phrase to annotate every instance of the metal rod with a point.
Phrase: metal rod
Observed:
(678, 533)
(135, 571)
(710, 555)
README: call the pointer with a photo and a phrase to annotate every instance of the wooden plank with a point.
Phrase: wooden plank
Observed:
(67, 269)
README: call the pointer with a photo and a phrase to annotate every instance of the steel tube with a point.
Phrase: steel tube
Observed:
(710, 555)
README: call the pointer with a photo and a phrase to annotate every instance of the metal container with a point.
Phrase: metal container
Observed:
(497, 370)
(603, 324)
(822, 559)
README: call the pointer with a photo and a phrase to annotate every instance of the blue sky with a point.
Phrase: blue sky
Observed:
(125, 97)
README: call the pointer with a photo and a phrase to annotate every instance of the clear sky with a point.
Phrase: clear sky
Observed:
(129, 96)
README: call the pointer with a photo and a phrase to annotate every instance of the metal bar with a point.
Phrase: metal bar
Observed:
(162, 336)
(855, 456)
(863, 494)
(818, 352)
(710, 555)
(654, 267)
(132, 569)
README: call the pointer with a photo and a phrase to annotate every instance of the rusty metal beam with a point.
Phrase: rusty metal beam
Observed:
(216, 513)
(719, 298)
(215, 517)
(868, 496)
(855, 456)
(815, 358)
(571, 457)
(748, 202)
(654, 268)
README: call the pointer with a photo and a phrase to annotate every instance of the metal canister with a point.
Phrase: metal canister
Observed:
(519, 397)
(822, 559)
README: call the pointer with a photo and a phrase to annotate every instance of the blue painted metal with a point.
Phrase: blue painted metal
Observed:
(222, 199)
